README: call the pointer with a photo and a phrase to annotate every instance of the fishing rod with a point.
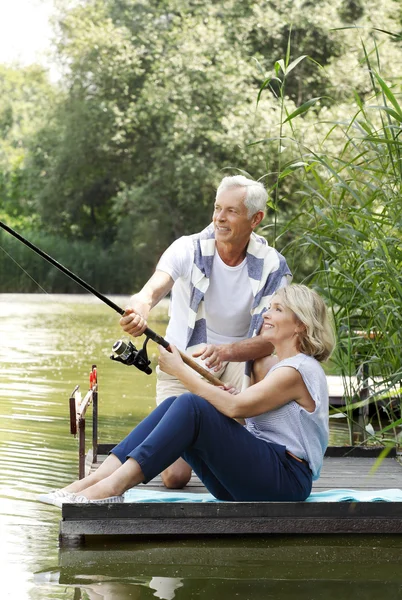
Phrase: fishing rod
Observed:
(126, 353)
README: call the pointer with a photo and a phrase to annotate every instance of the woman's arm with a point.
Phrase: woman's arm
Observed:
(278, 388)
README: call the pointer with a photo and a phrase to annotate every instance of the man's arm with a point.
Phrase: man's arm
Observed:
(134, 320)
(248, 349)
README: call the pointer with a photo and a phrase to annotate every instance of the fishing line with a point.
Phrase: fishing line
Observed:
(70, 316)
(23, 270)
(125, 353)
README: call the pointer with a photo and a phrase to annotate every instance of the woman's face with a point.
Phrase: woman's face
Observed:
(280, 323)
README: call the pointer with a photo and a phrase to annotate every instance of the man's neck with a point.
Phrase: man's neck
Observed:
(232, 255)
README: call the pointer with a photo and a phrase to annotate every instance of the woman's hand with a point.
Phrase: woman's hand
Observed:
(228, 387)
(170, 362)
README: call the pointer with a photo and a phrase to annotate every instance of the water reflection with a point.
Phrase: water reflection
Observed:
(311, 568)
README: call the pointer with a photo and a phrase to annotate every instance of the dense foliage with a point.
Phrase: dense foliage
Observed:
(157, 103)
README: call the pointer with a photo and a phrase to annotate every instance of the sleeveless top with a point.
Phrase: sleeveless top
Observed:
(304, 434)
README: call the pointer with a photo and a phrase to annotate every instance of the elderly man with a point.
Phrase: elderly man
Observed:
(221, 281)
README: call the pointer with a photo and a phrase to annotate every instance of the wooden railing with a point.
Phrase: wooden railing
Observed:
(78, 409)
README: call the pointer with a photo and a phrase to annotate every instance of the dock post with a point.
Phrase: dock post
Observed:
(81, 448)
(95, 425)
(363, 410)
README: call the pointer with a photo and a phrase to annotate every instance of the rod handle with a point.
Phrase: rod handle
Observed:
(196, 367)
(185, 358)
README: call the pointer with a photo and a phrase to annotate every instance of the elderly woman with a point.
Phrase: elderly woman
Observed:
(277, 453)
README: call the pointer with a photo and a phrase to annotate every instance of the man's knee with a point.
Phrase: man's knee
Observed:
(167, 386)
(233, 374)
(177, 475)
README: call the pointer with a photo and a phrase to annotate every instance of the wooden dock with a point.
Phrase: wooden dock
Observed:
(344, 468)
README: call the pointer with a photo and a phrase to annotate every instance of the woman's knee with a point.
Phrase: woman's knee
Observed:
(190, 398)
(194, 403)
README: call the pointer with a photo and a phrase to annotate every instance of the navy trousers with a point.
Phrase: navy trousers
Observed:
(232, 463)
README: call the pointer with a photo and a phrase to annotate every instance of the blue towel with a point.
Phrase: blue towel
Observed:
(390, 495)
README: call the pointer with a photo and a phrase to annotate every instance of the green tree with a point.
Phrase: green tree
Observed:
(158, 102)
(26, 97)
(160, 97)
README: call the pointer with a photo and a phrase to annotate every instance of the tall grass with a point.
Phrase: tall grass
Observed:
(349, 219)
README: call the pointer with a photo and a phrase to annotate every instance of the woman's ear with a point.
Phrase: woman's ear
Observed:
(300, 328)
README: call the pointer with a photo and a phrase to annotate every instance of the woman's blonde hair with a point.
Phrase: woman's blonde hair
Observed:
(318, 338)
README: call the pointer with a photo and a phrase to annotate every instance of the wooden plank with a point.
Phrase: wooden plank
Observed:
(201, 527)
(235, 510)
(95, 420)
(230, 518)
(81, 447)
(73, 415)
(358, 451)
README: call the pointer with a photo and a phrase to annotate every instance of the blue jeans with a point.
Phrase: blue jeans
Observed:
(231, 462)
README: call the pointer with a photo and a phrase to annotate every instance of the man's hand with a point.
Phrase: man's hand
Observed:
(134, 320)
(133, 323)
(213, 356)
(170, 362)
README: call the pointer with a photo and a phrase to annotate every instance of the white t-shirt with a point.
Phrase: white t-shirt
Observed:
(228, 299)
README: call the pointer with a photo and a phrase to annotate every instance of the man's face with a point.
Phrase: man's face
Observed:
(232, 225)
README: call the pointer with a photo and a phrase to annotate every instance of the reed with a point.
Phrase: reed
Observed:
(349, 219)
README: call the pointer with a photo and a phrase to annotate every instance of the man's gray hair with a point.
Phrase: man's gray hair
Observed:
(256, 194)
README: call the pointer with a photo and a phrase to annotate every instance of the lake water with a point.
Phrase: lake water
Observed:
(47, 346)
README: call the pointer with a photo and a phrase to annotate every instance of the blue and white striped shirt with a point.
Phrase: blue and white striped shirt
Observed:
(304, 434)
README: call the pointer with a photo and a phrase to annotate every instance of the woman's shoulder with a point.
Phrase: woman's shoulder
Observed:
(296, 360)
(303, 363)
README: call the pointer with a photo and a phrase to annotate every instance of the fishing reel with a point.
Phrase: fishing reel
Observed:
(129, 355)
